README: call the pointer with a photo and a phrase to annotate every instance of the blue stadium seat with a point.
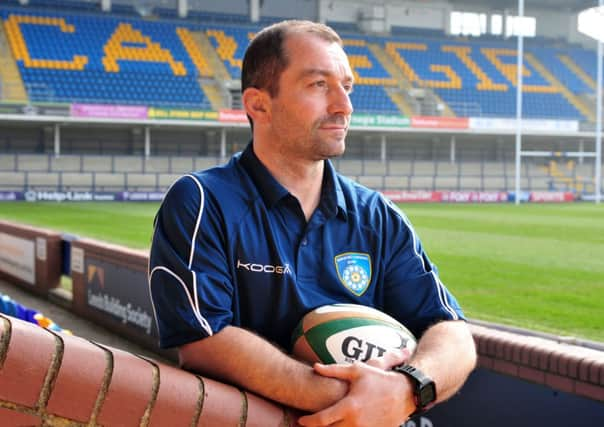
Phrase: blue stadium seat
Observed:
(586, 60)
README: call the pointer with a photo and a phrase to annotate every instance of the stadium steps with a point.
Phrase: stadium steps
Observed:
(570, 64)
(389, 66)
(214, 94)
(399, 100)
(432, 105)
(402, 83)
(570, 97)
(588, 98)
(12, 88)
(216, 71)
(193, 47)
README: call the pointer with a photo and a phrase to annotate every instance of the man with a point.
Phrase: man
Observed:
(241, 252)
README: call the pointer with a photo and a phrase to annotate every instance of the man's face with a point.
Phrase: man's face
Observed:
(311, 113)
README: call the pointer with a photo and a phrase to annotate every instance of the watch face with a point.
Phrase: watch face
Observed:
(425, 389)
(427, 394)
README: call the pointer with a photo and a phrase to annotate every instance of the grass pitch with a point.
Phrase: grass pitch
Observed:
(128, 224)
(533, 266)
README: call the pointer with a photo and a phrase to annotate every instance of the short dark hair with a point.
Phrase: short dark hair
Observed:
(265, 58)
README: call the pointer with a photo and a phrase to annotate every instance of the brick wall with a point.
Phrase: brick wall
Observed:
(57, 380)
(54, 379)
(558, 365)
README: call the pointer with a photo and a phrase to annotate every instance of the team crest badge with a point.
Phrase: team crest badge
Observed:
(354, 271)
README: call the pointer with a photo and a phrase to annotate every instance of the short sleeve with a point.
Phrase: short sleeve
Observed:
(189, 282)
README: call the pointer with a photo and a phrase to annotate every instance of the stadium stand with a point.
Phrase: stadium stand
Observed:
(475, 73)
(66, 51)
(43, 172)
(120, 59)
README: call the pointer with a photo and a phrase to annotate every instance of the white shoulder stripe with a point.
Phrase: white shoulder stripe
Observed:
(202, 321)
(194, 237)
(199, 213)
(442, 296)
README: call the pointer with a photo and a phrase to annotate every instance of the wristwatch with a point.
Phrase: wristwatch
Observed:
(425, 389)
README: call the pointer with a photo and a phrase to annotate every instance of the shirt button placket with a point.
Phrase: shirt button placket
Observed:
(306, 262)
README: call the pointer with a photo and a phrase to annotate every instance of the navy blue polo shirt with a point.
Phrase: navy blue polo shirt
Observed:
(232, 247)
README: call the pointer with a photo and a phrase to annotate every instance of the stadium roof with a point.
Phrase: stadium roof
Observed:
(559, 5)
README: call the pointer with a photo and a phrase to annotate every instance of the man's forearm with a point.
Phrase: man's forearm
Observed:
(241, 358)
(446, 353)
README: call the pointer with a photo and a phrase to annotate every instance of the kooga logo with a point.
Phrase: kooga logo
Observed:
(261, 268)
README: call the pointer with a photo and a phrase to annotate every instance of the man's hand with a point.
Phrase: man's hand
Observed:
(377, 397)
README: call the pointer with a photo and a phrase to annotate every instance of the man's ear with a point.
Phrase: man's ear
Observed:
(256, 105)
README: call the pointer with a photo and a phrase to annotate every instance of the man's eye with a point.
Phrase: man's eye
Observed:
(320, 83)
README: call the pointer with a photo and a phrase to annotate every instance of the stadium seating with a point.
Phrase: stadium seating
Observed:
(80, 55)
(77, 181)
(13, 181)
(67, 163)
(102, 59)
(136, 173)
(97, 163)
(586, 60)
(476, 78)
(551, 58)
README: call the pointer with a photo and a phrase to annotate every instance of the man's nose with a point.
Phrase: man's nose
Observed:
(340, 102)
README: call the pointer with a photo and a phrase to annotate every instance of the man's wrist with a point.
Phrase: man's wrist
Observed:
(423, 387)
(327, 391)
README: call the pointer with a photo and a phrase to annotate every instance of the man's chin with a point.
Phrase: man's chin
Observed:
(334, 148)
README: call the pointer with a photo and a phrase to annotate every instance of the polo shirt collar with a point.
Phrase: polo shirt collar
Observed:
(268, 187)
(332, 190)
(272, 191)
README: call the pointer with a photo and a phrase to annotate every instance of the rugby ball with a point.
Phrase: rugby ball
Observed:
(345, 333)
